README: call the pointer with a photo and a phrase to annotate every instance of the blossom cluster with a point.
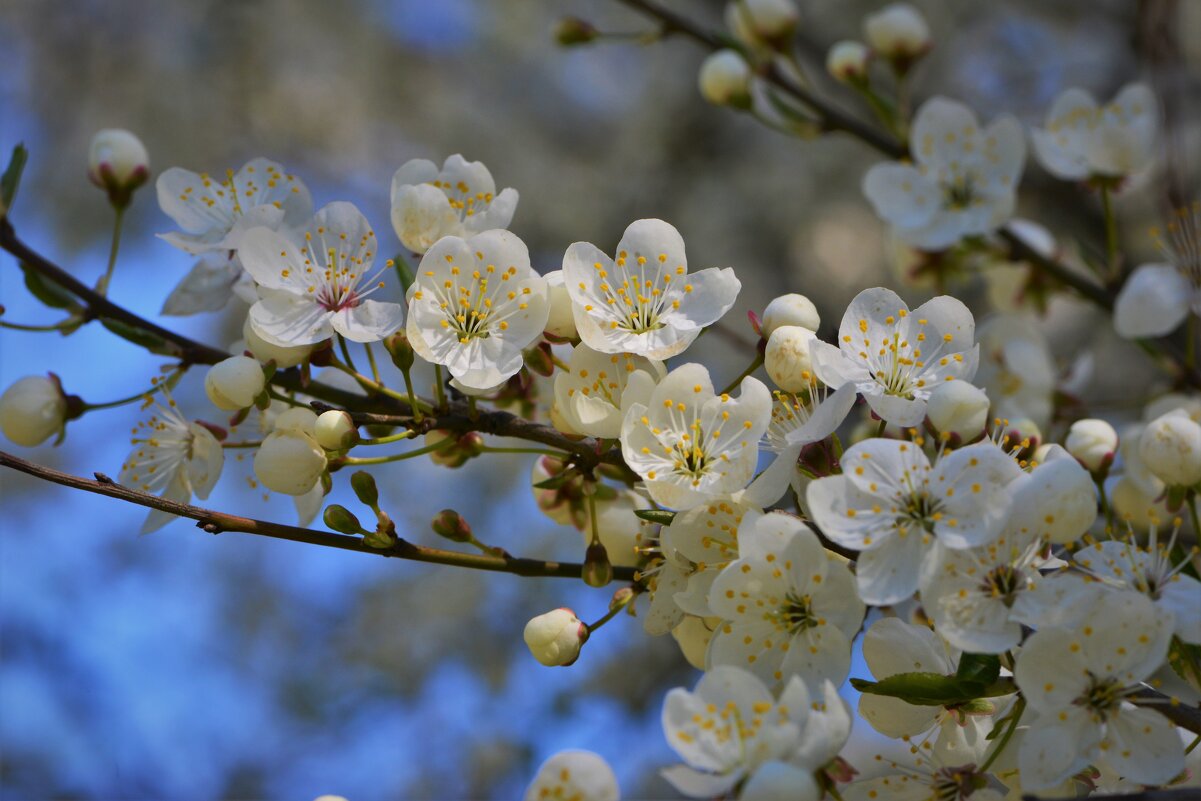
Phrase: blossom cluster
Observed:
(1020, 582)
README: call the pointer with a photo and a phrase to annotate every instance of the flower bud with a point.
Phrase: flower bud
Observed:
(118, 163)
(1093, 443)
(561, 322)
(284, 356)
(32, 409)
(898, 33)
(1170, 447)
(384, 535)
(400, 350)
(538, 359)
(450, 524)
(571, 31)
(847, 62)
(556, 637)
(364, 488)
(787, 358)
(767, 21)
(791, 309)
(958, 407)
(457, 454)
(725, 79)
(1135, 505)
(289, 462)
(295, 418)
(335, 430)
(341, 519)
(598, 571)
(234, 383)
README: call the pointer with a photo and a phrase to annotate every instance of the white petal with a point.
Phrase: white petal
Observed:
(1144, 746)
(370, 321)
(1153, 302)
(282, 318)
(889, 574)
(1054, 749)
(780, 781)
(208, 286)
(901, 195)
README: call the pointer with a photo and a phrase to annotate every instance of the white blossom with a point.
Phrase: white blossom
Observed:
(897, 32)
(691, 445)
(963, 182)
(173, 458)
(957, 407)
(560, 321)
(705, 538)
(32, 410)
(1016, 369)
(458, 200)
(578, 775)
(1081, 140)
(600, 388)
(725, 79)
(1170, 447)
(284, 356)
(475, 305)
(895, 357)
(892, 504)
(646, 302)
(1078, 681)
(290, 461)
(312, 290)
(118, 161)
(555, 637)
(1157, 298)
(787, 607)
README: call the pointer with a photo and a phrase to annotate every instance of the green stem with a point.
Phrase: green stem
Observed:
(1192, 745)
(168, 382)
(401, 437)
(346, 353)
(437, 446)
(1111, 229)
(102, 285)
(371, 361)
(880, 430)
(439, 391)
(592, 518)
(1106, 509)
(755, 365)
(59, 326)
(369, 385)
(414, 406)
(1015, 716)
(612, 613)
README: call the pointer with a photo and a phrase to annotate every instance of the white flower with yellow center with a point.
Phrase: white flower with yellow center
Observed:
(645, 302)
(312, 290)
(574, 776)
(787, 608)
(1080, 681)
(892, 504)
(706, 539)
(895, 357)
(475, 305)
(600, 387)
(691, 445)
(1082, 140)
(1157, 298)
(458, 200)
(173, 458)
(964, 180)
(214, 215)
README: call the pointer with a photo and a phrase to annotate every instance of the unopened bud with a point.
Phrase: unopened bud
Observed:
(400, 350)
(787, 358)
(335, 430)
(289, 462)
(1093, 443)
(598, 571)
(364, 488)
(384, 536)
(538, 359)
(725, 79)
(898, 33)
(450, 524)
(791, 309)
(770, 22)
(1170, 447)
(234, 383)
(118, 163)
(957, 407)
(561, 320)
(340, 519)
(555, 638)
(621, 598)
(571, 31)
(847, 62)
(454, 455)
(33, 409)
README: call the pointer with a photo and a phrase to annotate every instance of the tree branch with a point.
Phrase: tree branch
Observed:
(216, 522)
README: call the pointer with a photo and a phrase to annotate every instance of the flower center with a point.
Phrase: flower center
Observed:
(465, 202)
(797, 613)
(951, 784)
(639, 292)
(1004, 582)
(1102, 697)
(958, 193)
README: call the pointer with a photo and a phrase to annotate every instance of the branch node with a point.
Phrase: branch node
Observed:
(103, 479)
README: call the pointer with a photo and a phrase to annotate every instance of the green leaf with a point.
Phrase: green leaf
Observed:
(140, 337)
(659, 516)
(556, 481)
(934, 689)
(979, 668)
(48, 293)
(12, 178)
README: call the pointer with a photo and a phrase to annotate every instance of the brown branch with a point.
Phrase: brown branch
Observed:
(216, 522)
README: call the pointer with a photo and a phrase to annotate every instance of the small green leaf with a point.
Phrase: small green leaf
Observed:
(140, 337)
(659, 516)
(979, 668)
(47, 292)
(933, 689)
(12, 178)
(556, 481)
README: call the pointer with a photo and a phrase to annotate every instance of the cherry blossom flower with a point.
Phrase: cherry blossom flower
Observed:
(788, 608)
(173, 458)
(646, 302)
(1157, 298)
(600, 387)
(691, 445)
(705, 540)
(895, 357)
(458, 200)
(964, 181)
(1081, 140)
(1079, 680)
(475, 305)
(579, 775)
(892, 504)
(311, 291)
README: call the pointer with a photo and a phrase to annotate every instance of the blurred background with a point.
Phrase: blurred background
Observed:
(180, 665)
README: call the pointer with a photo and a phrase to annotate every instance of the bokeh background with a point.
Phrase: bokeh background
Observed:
(185, 666)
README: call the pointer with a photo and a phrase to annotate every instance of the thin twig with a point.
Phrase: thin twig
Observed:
(216, 522)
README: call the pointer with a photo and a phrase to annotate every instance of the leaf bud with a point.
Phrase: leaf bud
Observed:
(340, 519)
(400, 350)
(364, 488)
(572, 31)
(598, 571)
